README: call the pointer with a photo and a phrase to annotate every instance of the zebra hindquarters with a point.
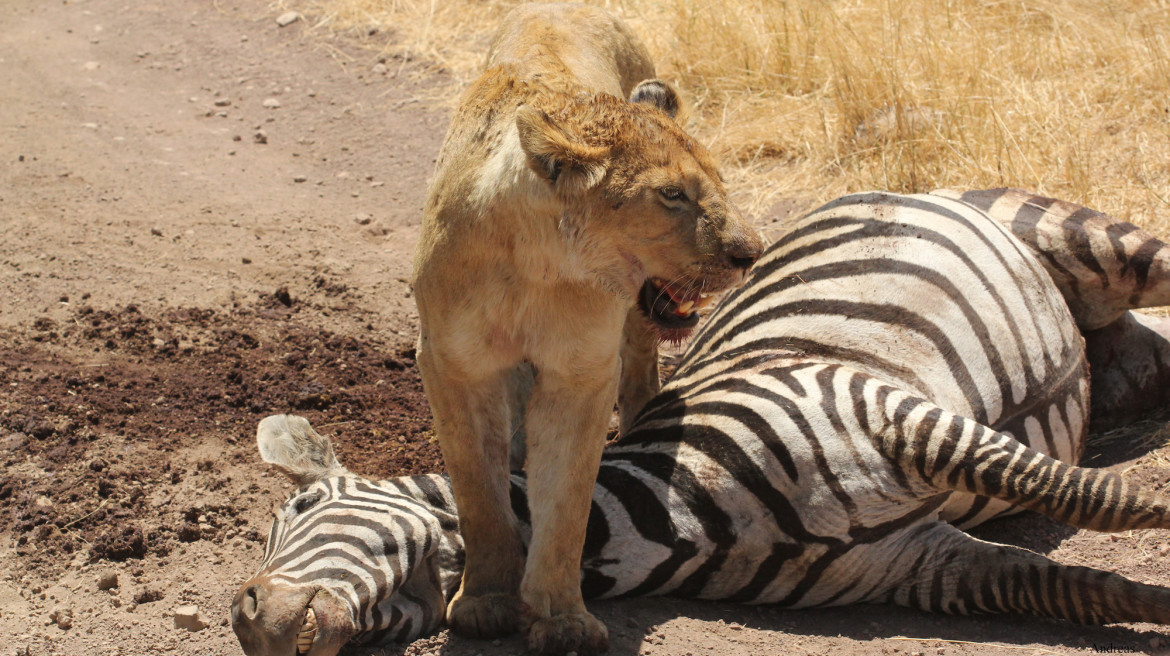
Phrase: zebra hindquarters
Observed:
(952, 572)
(1102, 265)
(949, 452)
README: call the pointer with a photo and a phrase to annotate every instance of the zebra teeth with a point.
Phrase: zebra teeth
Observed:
(308, 632)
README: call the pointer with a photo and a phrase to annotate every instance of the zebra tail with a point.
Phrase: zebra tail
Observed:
(950, 452)
(955, 573)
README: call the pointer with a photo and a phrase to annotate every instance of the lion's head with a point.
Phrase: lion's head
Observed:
(642, 201)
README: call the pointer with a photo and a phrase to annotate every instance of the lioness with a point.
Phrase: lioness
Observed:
(556, 206)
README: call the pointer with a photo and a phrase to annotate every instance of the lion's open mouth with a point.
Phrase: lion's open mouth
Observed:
(308, 632)
(671, 309)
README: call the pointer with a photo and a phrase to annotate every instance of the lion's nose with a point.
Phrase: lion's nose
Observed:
(742, 253)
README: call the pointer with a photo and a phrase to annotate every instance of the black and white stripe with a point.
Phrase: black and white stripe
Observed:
(361, 541)
(893, 363)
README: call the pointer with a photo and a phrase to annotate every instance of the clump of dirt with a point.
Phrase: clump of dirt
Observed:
(152, 380)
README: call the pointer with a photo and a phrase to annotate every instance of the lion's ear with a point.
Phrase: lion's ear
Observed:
(659, 94)
(570, 166)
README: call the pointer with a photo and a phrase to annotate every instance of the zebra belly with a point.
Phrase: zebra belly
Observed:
(928, 294)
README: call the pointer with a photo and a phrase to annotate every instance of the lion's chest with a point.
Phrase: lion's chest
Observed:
(496, 323)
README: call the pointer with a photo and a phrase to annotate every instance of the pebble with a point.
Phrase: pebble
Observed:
(261, 137)
(299, 178)
(380, 69)
(223, 102)
(271, 103)
(363, 219)
(107, 581)
(62, 617)
(91, 66)
(187, 617)
(287, 18)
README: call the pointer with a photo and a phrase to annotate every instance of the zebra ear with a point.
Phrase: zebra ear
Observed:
(291, 445)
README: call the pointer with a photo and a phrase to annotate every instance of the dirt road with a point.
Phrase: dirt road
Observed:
(206, 218)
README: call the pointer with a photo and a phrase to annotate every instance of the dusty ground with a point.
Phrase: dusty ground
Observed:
(204, 219)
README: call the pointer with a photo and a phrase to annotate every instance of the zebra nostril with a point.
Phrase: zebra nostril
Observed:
(248, 602)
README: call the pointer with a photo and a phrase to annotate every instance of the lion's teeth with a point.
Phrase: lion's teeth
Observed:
(685, 307)
(703, 301)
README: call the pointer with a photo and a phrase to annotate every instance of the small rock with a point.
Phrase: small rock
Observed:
(363, 219)
(107, 581)
(284, 297)
(299, 178)
(187, 617)
(223, 102)
(261, 137)
(271, 103)
(287, 18)
(380, 69)
(91, 66)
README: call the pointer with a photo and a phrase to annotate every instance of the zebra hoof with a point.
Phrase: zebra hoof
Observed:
(486, 616)
(569, 632)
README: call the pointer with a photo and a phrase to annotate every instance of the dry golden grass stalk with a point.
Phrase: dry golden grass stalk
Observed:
(809, 99)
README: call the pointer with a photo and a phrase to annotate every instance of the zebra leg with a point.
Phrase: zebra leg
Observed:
(937, 450)
(1129, 361)
(639, 382)
(949, 571)
(1103, 266)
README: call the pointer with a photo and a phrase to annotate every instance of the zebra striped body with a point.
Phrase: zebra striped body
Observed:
(892, 363)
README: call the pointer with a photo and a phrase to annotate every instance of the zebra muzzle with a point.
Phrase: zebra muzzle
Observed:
(308, 632)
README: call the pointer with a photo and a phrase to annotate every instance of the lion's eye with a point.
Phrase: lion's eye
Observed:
(672, 193)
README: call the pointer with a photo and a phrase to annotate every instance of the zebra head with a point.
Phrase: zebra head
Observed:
(347, 559)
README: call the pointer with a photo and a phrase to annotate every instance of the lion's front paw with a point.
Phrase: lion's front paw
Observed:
(486, 616)
(569, 632)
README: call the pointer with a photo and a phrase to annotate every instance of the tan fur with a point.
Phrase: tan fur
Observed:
(545, 217)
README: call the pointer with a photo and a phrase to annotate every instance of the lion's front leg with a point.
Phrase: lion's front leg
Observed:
(472, 423)
(567, 418)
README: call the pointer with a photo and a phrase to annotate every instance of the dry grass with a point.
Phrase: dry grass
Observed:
(809, 99)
